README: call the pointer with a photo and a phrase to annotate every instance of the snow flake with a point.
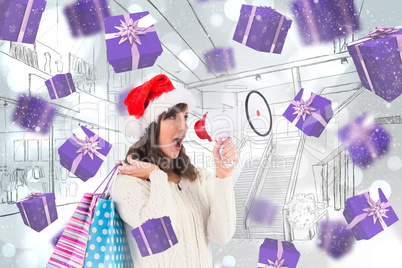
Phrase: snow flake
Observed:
(253, 38)
(397, 82)
(13, 28)
(29, 32)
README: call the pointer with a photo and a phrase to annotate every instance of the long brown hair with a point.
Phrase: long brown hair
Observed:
(147, 149)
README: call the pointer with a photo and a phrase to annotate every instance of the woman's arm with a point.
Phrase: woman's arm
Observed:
(137, 201)
(221, 222)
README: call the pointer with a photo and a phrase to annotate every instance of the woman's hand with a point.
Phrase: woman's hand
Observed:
(137, 168)
(227, 155)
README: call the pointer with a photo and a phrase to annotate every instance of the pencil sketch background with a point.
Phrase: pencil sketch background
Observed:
(277, 167)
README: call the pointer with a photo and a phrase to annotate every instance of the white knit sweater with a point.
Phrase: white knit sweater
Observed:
(201, 211)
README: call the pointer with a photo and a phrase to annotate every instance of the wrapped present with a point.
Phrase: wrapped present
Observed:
(219, 60)
(19, 19)
(335, 238)
(85, 17)
(310, 116)
(367, 217)
(60, 85)
(38, 210)
(154, 236)
(34, 114)
(324, 20)
(365, 140)
(262, 29)
(84, 154)
(131, 41)
(378, 61)
(276, 253)
(263, 211)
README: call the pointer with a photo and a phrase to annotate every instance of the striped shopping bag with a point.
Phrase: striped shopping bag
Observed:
(71, 247)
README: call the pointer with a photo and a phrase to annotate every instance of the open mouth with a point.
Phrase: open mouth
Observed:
(177, 143)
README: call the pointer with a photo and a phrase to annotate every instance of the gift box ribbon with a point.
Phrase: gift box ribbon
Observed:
(308, 9)
(250, 23)
(45, 206)
(146, 239)
(25, 20)
(129, 31)
(302, 109)
(278, 262)
(379, 32)
(54, 88)
(376, 209)
(88, 146)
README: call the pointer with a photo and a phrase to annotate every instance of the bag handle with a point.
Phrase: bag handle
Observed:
(110, 177)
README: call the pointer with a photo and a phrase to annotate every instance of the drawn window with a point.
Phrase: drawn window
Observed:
(19, 151)
(33, 150)
(44, 148)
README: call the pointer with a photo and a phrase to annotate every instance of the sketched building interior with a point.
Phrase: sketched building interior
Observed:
(276, 167)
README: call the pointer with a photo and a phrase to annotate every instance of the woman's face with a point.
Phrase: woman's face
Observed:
(173, 129)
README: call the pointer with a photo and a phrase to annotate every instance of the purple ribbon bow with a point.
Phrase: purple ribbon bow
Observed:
(376, 209)
(302, 108)
(88, 146)
(277, 264)
(130, 31)
(381, 32)
(33, 195)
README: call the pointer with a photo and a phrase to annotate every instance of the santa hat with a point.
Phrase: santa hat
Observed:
(147, 102)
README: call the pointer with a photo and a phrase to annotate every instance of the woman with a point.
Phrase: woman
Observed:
(160, 180)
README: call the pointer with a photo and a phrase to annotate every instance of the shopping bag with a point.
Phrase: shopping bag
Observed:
(107, 244)
(70, 249)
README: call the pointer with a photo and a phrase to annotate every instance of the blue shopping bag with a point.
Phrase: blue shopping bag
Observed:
(107, 244)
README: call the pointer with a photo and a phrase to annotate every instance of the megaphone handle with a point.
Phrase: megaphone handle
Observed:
(228, 165)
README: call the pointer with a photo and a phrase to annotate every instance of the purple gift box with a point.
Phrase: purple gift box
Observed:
(276, 253)
(263, 211)
(262, 29)
(19, 19)
(365, 140)
(311, 116)
(85, 17)
(324, 20)
(34, 114)
(60, 86)
(38, 210)
(378, 60)
(336, 239)
(155, 236)
(82, 157)
(130, 47)
(367, 218)
(219, 60)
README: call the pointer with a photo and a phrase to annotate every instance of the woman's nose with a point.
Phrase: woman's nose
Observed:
(183, 124)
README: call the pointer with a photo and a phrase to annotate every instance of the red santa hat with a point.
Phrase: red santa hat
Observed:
(147, 102)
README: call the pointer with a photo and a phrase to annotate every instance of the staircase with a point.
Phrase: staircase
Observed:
(274, 188)
(241, 190)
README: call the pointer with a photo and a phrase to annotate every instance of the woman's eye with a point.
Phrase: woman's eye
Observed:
(186, 117)
(173, 117)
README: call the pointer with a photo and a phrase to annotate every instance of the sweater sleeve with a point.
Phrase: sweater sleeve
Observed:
(221, 222)
(137, 200)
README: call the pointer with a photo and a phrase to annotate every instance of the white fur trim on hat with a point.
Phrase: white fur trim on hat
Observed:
(134, 127)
